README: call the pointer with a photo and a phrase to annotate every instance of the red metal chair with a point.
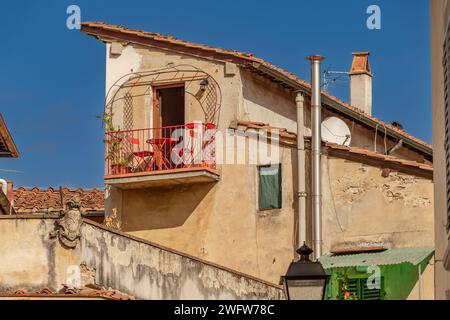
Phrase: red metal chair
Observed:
(142, 157)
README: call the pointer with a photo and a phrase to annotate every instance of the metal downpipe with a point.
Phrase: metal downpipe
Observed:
(316, 105)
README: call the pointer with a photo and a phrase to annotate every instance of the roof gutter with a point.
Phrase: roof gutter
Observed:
(333, 104)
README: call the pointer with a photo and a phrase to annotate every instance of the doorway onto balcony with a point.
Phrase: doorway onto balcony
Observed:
(169, 109)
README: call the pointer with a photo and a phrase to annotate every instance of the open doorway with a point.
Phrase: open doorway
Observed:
(169, 107)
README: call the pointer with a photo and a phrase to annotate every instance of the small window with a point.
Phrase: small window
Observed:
(357, 289)
(270, 187)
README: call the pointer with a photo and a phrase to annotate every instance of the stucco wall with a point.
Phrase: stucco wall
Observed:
(149, 272)
(361, 206)
(265, 101)
(29, 258)
(219, 222)
(32, 260)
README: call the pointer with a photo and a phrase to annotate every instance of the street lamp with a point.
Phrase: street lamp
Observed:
(305, 279)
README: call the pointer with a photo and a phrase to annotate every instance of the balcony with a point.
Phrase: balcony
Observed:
(165, 156)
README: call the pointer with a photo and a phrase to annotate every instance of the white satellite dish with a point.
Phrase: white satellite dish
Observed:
(336, 131)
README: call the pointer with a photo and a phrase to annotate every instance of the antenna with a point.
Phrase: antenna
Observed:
(330, 77)
(11, 171)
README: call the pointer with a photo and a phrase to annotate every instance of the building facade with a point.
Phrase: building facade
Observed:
(232, 207)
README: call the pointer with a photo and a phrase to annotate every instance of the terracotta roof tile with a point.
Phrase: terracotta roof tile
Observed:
(351, 150)
(373, 154)
(66, 293)
(49, 200)
(96, 29)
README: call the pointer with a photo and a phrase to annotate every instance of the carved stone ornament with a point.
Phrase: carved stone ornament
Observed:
(68, 227)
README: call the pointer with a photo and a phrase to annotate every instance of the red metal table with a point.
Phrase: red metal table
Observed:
(159, 146)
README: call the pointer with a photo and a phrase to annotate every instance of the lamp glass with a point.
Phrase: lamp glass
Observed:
(306, 289)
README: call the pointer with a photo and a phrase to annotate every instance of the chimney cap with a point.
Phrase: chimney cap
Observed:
(360, 64)
(315, 57)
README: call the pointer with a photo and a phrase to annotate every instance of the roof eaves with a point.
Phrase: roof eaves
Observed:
(6, 136)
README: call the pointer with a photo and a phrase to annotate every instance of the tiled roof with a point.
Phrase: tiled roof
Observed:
(265, 126)
(66, 293)
(106, 31)
(379, 156)
(340, 150)
(49, 200)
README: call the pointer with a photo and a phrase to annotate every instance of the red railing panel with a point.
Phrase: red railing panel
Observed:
(160, 149)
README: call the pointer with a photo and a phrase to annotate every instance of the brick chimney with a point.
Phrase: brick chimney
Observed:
(361, 82)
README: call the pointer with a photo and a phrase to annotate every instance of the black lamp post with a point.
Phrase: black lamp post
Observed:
(305, 279)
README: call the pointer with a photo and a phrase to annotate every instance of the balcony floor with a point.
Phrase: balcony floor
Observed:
(164, 178)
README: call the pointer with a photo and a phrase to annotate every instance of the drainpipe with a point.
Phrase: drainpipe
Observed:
(301, 170)
(316, 121)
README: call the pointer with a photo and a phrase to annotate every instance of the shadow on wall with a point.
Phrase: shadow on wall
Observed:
(263, 93)
(151, 209)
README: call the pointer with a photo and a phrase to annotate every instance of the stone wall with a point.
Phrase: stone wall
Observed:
(32, 259)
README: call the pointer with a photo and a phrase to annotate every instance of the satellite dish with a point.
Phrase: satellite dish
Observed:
(336, 131)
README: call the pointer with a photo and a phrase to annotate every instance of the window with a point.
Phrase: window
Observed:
(446, 68)
(358, 289)
(270, 187)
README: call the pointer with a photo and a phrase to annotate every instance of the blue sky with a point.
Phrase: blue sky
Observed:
(52, 78)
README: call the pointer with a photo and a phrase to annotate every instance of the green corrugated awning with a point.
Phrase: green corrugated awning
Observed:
(414, 256)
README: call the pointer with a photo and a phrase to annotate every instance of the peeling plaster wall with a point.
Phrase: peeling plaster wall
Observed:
(361, 206)
(148, 272)
(220, 222)
(29, 258)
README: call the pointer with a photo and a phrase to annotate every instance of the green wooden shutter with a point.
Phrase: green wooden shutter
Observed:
(372, 294)
(358, 288)
(353, 288)
(270, 187)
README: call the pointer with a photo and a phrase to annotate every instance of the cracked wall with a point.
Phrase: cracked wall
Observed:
(149, 272)
(32, 260)
(370, 205)
(362, 203)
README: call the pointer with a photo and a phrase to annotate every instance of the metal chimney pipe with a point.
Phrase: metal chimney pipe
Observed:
(316, 121)
(301, 176)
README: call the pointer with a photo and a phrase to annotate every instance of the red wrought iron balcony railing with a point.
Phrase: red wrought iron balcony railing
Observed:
(160, 149)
